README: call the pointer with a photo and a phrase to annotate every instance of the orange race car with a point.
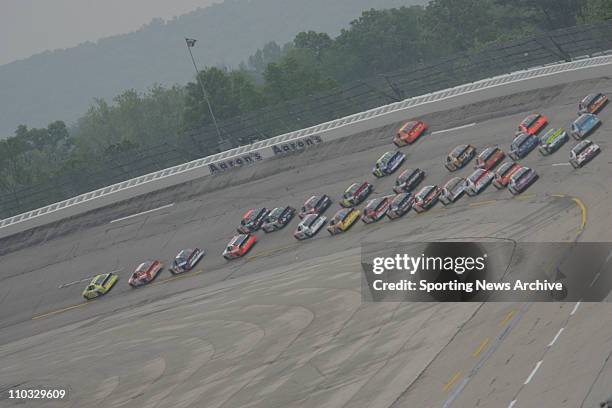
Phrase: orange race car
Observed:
(533, 123)
(592, 103)
(409, 133)
(503, 174)
(239, 246)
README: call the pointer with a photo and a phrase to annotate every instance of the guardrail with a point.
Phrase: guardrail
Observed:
(297, 140)
(412, 80)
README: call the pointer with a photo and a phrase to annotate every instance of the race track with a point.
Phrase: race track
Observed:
(286, 326)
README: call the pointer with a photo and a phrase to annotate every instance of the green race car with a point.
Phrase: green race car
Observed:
(100, 285)
(552, 140)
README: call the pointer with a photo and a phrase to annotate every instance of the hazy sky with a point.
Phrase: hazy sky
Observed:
(31, 26)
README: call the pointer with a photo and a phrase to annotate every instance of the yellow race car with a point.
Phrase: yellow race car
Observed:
(100, 285)
(343, 220)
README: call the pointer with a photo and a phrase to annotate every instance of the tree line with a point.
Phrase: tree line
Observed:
(377, 42)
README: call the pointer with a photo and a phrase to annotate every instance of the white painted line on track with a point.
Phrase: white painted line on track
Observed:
(554, 340)
(595, 279)
(142, 213)
(561, 164)
(65, 285)
(535, 369)
(609, 257)
(575, 308)
(552, 343)
(455, 128)
(74, 282)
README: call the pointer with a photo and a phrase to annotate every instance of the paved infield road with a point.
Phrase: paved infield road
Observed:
(285, 326)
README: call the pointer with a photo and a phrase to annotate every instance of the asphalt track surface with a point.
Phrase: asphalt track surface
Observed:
(286, 326)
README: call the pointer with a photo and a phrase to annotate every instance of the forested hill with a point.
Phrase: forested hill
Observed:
(63, 83)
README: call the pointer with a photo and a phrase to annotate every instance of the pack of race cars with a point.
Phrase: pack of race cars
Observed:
(490, 167)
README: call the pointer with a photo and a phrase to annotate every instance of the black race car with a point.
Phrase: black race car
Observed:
(186, 260)
(400, 205)
(408, 180)
(252, 220)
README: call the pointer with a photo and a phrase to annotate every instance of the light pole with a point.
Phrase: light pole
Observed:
(190, 43)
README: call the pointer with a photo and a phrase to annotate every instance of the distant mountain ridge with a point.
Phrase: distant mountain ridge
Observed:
(61, 84)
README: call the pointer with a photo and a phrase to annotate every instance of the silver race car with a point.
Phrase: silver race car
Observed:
(453, 190)
(478, 181)
(278, 218)
(310, 225)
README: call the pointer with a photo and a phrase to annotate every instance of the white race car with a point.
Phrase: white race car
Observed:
(583, 153)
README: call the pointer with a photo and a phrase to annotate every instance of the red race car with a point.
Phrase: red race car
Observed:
(409, 133)
(503, 174)
(145, 273)
(426, 198)
(489, 158)
(376, 209)
(239, 246)
(533, 124)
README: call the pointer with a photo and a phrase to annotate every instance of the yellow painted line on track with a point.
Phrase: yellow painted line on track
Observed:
(453, 380)
(482, 346)
(524, 197)
(65, 309)
(482, 203)
(583, 209)
(507, 318)
(558, 195)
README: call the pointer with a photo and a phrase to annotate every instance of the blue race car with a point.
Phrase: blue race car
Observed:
(522, 145)
(388, 163)
(584, 125)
